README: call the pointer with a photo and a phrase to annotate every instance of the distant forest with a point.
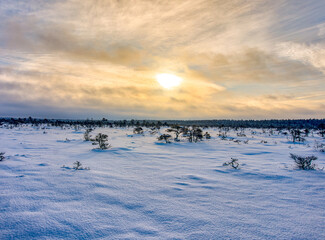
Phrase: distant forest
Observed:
(280, 124)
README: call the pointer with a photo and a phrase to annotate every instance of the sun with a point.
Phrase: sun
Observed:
(168, 81)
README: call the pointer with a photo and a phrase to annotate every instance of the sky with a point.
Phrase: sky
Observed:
(238, 59)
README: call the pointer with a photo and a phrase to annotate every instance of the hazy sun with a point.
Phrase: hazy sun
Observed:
(168, 80)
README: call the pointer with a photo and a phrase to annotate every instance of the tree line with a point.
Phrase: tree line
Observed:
(273, 123)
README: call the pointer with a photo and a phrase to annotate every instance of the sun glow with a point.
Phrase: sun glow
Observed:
(168, 80)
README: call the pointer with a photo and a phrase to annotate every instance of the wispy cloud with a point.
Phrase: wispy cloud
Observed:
(238, 58)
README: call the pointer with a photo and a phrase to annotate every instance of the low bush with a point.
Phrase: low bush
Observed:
(207, 135)
(233, 163)
(177, 130)
(304, 163)
(165, 137)
(2, 156)
(78, 166)
(138, 130)
(319, 146)
(296, 135)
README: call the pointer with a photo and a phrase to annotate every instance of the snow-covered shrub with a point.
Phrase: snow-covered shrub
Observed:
(101, 141)
(223, 137)
(194, 134)
(306, 132)
(177, 130)
(304, 163)
(138, 130)
(197, 134)
(322, 133)
(78, 166)
(233, 163)
(296, 135)
(207, 135)
(87, 134)
(319, 146)
(153, 130)
(321, 129)
(241, 134)
(165, 137)
(2, 156)
(223, 134)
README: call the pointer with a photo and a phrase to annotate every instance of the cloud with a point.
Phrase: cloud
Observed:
(158, 26)
(313, 54)
(251, 65)
(237, 58)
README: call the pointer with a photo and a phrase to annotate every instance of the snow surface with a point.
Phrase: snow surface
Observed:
(145, 189)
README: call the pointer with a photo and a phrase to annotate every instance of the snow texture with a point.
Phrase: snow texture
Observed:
(145, 189)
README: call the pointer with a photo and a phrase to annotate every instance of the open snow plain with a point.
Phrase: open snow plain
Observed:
(145, 189)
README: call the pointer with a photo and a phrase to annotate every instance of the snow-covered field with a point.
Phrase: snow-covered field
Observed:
(145, 189)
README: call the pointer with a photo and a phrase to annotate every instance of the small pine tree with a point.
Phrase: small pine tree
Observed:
(87, 134)
(194, 134)
(197, 134)
(177, 130)
(101, 141)
(296, 135)
(77, 165)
